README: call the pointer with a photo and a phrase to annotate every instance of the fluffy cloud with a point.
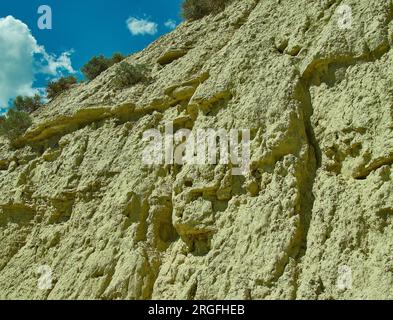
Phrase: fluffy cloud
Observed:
(21, 58)
(141, 26)
(170, 24)
(53, 65)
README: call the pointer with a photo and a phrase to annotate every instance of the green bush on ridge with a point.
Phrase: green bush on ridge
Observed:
(28, 104)
(57, 87)
(128, 74)
(99, 64)
(14, 125)
(197, 9)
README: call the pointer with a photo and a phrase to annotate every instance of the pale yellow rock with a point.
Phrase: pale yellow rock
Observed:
(318, 101)
(171, 55)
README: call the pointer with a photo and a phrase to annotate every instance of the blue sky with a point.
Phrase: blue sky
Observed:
(80, 30)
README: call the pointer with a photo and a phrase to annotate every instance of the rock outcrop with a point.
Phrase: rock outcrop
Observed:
(317, 97)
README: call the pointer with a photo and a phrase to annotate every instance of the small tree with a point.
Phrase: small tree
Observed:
(28, 104)
(197, 9)
(128, 74)
(55, 88)
(99, 64)
(14, 125)
(95, 67)
(117, 57)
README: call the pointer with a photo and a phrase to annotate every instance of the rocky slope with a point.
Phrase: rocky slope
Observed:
(318, 100)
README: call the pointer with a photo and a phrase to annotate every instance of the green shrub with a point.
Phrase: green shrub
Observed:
(128, 74)
(55, 88)
(99, 64)
(14, 125)
(95, 67)
(117, 57)
(28, 104)
(197, 9)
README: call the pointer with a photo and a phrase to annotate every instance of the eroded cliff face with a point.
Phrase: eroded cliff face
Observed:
(318, 100)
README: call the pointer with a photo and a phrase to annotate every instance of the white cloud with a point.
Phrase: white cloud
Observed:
(141, 26)
(52, 65)
(21, 58)
(170, 24)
